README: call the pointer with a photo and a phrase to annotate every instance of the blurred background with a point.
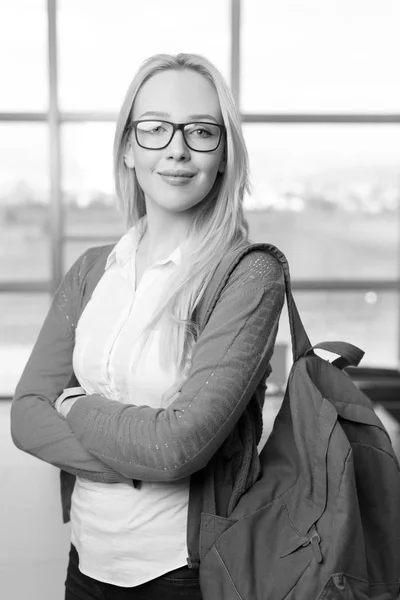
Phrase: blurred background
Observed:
(318, 94)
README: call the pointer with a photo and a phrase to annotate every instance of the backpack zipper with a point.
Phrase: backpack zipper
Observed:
(315, 540)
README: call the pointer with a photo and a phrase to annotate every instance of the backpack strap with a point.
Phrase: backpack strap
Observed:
(349, 355)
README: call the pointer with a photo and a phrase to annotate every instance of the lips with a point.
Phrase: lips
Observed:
(172, 173)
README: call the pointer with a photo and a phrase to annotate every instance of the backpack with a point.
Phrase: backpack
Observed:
(323, 519)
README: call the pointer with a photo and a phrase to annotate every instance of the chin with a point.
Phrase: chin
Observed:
(180, 207)
(178, 204)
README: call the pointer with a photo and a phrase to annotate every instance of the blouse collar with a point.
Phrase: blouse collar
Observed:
(125, 249)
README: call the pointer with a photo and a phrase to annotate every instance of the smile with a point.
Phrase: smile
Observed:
(177, 177)
(177, 173)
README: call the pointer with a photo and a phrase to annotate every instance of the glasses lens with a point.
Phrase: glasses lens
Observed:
(153, 134)
(204, 137)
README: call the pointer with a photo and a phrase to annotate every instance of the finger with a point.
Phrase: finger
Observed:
(176, 387)
(171, 391)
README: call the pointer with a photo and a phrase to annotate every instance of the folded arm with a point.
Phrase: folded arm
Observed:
(229, 359)
(36, 427)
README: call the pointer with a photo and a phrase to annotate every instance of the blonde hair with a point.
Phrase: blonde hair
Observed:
(219, 224)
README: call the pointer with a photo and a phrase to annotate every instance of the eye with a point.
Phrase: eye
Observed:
(157, 129)
(201, 130)
(204, 132)
(152, 127)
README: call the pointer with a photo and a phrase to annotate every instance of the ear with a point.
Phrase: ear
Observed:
(129, 158)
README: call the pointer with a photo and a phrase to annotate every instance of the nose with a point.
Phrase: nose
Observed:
(177, 148)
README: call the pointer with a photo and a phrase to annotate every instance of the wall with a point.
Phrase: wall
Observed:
(34, 542)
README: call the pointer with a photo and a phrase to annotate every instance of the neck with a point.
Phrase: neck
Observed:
(164, 232)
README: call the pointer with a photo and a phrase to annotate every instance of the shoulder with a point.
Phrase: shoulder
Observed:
(92, 260)
(258, 268)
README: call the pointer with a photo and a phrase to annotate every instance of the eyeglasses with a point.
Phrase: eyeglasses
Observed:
(156, 135)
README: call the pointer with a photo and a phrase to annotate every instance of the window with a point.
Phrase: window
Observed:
(317, 87)
(24, 202)
(23, 46)
(102, 43)
(89, 204)
(367, 319)
(331, 187)
(333, 56)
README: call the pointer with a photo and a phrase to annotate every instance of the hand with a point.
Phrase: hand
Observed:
(65, 401)
(67, 404)
(173, 392)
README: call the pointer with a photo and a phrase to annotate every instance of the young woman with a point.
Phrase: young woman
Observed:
(158, 403)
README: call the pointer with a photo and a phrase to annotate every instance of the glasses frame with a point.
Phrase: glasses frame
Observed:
(175, 128)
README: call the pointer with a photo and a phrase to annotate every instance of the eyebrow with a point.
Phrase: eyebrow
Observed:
(164, 115)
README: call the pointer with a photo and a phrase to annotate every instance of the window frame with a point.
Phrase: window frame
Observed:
(54, 118)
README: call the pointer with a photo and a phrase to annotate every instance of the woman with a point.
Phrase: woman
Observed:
(158, 404)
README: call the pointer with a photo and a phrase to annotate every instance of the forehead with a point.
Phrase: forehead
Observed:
(179, 94)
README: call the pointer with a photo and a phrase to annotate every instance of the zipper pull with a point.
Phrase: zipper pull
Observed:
(314, 541)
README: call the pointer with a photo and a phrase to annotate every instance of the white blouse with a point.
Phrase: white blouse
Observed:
(126, 536)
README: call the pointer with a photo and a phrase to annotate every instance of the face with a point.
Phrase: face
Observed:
(176, 96)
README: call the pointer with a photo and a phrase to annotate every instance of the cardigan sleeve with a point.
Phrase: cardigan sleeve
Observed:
(36, 427)
(229, 360)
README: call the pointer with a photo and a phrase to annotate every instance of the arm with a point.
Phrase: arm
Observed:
(229, 360)
(36, 427)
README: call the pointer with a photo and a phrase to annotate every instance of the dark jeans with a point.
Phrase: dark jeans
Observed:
(181, 584)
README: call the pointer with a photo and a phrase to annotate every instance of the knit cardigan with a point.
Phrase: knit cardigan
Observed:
(214, 425)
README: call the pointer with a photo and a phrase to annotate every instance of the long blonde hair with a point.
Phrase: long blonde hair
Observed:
(219, 224)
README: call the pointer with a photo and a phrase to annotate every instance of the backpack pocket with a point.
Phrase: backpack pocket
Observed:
(260, 556)
(347, 587)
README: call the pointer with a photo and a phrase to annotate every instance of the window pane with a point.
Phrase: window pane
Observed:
(21, 317)
(327, 196)
(23, 47)
(102, 43)
(24, 201)
(330, 56)
(90, 207)
(368, 320)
